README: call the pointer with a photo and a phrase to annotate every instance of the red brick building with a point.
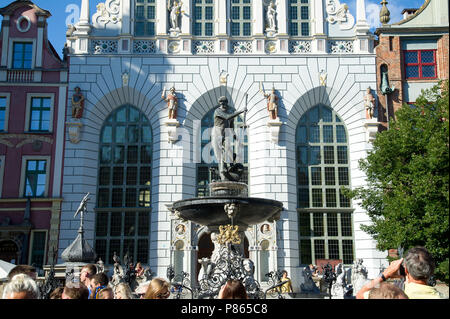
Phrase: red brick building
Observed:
(413, 52)
(33, 94)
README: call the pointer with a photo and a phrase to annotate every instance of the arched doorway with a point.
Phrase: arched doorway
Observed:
(9, 251)
(205, 249)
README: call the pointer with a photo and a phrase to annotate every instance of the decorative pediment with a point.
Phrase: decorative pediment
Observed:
(14, 6)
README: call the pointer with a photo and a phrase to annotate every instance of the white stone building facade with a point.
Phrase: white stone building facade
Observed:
(330, 64)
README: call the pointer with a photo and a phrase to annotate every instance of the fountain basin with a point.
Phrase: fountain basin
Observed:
(209, 211)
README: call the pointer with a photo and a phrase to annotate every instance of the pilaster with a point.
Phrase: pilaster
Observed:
(186, 20)
(258, 18)
(282, 17)
(317, 14)
(126, 18)
(161, 13)
(221, 18)
(40, 41)
(5, 50)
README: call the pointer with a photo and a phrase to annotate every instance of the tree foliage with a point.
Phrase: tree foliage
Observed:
(407, 193)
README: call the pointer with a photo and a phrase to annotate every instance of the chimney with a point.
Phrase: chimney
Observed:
(408, 12)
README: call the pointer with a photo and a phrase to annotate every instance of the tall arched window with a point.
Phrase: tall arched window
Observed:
(325, 219)
(203, 23)
(207, 170)
(124, 186)
(299, 18)
(241, 18)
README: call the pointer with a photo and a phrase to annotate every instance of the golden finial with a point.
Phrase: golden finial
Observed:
(384, 13)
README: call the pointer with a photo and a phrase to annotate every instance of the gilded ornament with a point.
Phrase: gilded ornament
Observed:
(229, 234)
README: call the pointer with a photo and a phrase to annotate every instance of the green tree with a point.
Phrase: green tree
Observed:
(407, 193)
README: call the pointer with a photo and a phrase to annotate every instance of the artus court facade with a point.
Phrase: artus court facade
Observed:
(136, 159)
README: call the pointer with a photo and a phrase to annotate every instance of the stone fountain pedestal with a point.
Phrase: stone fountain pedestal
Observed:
(227, 214)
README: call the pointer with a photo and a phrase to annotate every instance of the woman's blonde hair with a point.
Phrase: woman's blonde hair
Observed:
(156, 287)
(124, 290)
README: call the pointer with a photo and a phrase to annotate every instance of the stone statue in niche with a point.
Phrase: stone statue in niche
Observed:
(369, 103)
(172, 102)
(272, 102)
(271, 17)
(77, 104)
(175, 10)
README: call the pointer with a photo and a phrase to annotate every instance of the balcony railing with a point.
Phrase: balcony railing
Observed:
(20, 76)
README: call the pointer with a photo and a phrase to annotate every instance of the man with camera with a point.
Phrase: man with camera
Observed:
(416, 268)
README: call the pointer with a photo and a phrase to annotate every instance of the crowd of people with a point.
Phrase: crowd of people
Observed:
(415, 270)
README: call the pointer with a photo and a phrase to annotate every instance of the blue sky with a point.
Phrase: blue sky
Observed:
(64, 12)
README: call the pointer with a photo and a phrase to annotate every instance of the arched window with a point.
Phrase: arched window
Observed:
(203, 22)
(145, 18)
(241, 18)
(124, 186)
(325, 220)
(299, 18)
(207, 170)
